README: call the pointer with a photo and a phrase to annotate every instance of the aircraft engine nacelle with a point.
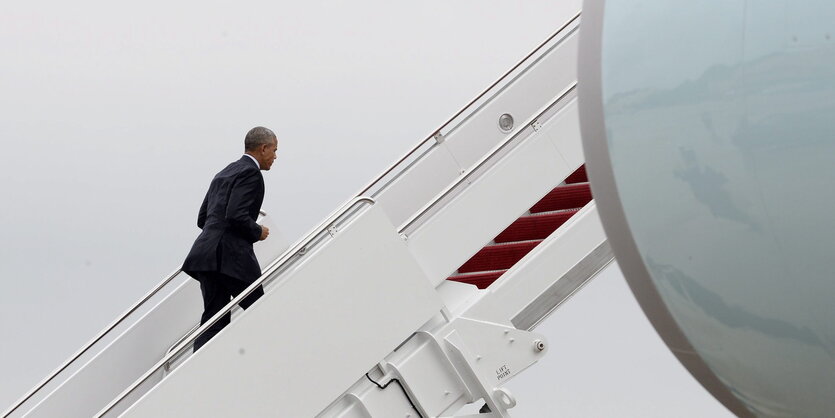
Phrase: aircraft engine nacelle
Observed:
(709, 134)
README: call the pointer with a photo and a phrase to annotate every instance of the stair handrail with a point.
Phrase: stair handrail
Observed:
(466, 175)
(92, 342)
(437, 131)
(176, 343)
(96, 339)
(300, 246)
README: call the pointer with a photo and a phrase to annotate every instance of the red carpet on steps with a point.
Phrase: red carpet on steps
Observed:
(537, 226)
(578, 176)
(564, 197)
(523, 235)
(498, 257)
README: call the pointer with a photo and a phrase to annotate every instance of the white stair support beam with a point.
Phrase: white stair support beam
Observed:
(461, 354)
(368, 295)
(426, 372)
(446, 367)
(494, 352)
(458, 296)
(564, 288)
(540, 269)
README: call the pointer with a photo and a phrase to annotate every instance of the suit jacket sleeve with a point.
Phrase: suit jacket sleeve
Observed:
(241, 199)
(201, 216)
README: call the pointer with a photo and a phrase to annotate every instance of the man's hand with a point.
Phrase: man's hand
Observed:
(265, 232)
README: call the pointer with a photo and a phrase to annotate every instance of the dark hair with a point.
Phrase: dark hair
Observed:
(258, 136)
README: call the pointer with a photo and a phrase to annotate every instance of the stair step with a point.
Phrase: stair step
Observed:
(578, 176)
(572, 196)
(523, 235)
(498, 257)
(534, 226)
(480, 280)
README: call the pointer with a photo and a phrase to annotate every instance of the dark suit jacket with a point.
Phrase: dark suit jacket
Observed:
(227, 218)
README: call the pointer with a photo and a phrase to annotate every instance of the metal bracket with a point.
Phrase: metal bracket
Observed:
(332, 230)
(536, 126)
(463, 361)
(491, 354)
(439, 138)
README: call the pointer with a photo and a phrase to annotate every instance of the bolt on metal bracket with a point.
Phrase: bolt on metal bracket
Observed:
(439, 138)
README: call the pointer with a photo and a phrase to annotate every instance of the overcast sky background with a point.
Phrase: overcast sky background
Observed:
(115, 117)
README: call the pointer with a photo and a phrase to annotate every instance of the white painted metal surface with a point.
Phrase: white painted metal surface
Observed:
(521, 99)
(494, 200)
(564, 132)
(309, 338)
(431, 380)
(476, 134)
(419, 183)
(494, 353)
(451, 363)
(441, 368)
(135, 348)
(544, 266)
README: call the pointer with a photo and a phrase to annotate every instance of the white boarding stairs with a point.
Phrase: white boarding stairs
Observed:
(359, 318)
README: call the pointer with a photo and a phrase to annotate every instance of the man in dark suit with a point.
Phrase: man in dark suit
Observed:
(222, 258)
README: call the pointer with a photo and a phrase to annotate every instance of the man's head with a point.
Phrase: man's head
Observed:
(261, 144)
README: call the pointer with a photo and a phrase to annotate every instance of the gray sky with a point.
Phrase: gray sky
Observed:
(115, 117)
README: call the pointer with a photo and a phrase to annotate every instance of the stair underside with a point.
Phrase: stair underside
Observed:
(524, 234)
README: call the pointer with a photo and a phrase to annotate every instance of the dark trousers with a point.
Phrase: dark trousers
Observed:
(218, 289)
